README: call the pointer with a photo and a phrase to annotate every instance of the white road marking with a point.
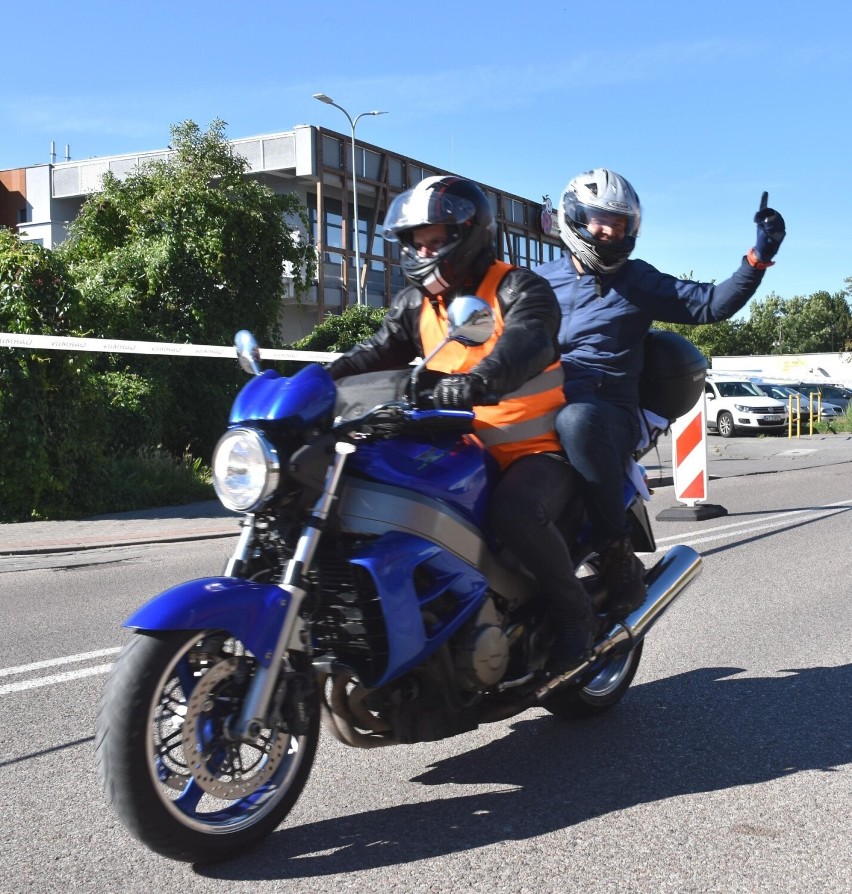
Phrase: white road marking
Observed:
(755, 524)
(22, 685)
(718, 532)
(56, 662)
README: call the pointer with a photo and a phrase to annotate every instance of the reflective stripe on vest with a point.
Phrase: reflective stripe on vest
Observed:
(525, 420)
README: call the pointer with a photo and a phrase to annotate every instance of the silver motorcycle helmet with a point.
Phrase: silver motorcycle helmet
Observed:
(463, 208)
(599, 216)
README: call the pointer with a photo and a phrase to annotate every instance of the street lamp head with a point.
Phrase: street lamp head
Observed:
(323, 98)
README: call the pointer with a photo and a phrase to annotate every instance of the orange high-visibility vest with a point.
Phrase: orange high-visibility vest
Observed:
(525, 420)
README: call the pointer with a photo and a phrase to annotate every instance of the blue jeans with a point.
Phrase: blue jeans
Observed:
(597, 438)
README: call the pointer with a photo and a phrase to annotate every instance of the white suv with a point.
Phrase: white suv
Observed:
(734, 404)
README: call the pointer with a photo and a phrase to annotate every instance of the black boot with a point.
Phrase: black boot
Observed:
(623, 577)
(574, 630)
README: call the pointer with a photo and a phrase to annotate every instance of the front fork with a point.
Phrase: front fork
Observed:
(259, 697)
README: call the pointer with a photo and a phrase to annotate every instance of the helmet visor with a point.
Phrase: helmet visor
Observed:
(608, 225)
(419, 208)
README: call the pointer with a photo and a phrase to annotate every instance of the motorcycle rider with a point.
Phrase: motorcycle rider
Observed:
(608, 305)
(446, 229)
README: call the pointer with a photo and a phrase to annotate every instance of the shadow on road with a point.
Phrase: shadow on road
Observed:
(705, 730)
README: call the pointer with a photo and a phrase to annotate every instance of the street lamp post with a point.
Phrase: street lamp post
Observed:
(329, 101)
(780, 314)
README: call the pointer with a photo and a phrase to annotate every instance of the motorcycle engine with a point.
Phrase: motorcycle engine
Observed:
(481, 655)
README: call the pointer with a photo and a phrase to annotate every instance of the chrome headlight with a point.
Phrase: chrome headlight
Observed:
(246, 469)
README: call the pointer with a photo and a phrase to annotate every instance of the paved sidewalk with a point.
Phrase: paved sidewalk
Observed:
(196, 521)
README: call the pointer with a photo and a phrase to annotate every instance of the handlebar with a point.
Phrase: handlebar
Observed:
(397, 417)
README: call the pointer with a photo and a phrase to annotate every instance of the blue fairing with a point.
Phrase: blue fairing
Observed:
(305, 397)
(454, 469)
(251, 612)
(395, 561)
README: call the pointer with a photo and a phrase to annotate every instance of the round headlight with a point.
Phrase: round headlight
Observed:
(246, 469)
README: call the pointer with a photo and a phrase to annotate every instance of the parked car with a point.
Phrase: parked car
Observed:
(835, 394)
(737, 404)
(801, 403)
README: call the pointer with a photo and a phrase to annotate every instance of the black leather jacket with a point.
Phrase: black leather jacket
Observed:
(531, 318)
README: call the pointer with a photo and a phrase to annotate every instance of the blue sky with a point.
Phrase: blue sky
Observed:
(700, 106)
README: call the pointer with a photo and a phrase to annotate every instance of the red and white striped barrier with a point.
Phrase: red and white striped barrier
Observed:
(689, 461)
(689, 455)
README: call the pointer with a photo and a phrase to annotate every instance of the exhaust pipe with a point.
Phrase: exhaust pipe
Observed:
(664, 582)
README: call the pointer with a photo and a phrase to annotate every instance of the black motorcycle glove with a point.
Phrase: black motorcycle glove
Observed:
(386, 423)
(770, 234)
(459, 392)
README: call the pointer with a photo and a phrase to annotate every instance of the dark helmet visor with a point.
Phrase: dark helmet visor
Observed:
(418, 208)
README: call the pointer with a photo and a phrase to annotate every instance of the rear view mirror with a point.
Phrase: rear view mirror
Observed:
(471, 320)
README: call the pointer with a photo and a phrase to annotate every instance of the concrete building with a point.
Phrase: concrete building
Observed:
(316, 164)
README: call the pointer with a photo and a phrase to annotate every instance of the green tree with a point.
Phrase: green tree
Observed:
(824, 324)
(712, 339)
(820, 323)
(46, 410)
(188, 249)
(763, 332)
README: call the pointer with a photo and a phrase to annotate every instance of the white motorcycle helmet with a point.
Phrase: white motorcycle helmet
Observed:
(599, 195)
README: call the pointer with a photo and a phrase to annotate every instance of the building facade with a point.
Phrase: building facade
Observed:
(316, 164)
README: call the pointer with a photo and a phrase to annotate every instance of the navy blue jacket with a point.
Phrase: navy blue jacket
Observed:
(605, 319)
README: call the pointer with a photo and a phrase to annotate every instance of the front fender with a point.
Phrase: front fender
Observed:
(252, 612)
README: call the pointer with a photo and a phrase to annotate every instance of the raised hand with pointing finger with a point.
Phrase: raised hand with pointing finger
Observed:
(770, 234)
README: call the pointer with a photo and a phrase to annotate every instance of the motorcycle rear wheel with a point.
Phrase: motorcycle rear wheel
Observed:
(169, 770)
(603, 691)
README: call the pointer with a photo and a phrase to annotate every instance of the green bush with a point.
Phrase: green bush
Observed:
(48, 410)
(133, 408)
(144, 479)
(338, 333)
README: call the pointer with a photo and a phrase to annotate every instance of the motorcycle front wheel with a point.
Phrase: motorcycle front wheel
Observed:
(177, 780)
(610, 679)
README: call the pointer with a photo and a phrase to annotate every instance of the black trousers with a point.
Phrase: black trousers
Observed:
(531, 496)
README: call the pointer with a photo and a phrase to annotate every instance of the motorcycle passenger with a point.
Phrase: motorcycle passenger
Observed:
(446, 229)
(608, 305)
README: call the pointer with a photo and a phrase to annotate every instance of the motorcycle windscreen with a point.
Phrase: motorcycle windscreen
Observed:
(304, 398)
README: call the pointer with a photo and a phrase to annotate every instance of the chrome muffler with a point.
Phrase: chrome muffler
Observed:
(664, 582)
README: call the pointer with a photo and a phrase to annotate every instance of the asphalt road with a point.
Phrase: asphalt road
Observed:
(727, 768)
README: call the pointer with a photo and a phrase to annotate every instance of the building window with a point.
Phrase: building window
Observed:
(395, 172)
(492, 201)
(370, 164)
(332, 229)
(515, 211)
(331, 152)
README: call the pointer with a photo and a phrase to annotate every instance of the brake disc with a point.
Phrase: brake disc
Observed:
(225, 768)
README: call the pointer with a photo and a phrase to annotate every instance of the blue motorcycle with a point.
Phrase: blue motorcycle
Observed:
(363, 593)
